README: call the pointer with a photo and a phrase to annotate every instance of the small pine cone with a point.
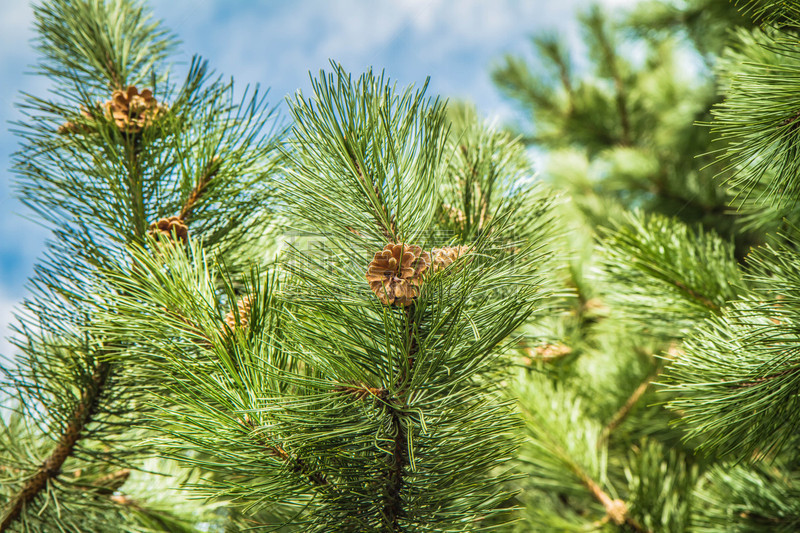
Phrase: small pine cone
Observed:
(395, 274)
(69, 127)
(75, 127)
(164, 228)
(131, 110)
(444, 257)
(549, 352)
(243, 307)
(454, 214)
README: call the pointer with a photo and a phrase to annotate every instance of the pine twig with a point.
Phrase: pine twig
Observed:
(390, 231)
(363, 391)
(393, 503)
(51, 467)
(299, 466)
(620, 97)
(697, 296)
(210, 171)
(769, 377)
(109, 483)
(626, 408)
(616, 510)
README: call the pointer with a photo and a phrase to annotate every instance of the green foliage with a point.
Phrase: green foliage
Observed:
(328, 410)
(366, 160)
(204, 158)
(666, 276)
(737, 382)
(676, 295)
(785, 15)
(543, 378)
(488, 177)
(706, 23)
(661, 483)
(621, 133)
(756, 498)
(558, 455)
(760, 133)
(95, 45)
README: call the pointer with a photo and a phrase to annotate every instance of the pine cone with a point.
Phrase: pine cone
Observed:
(164, 228)
(548, 352)
(454, 214)
(395, 274)
(444, 257)
(75, 127)
(133, 111)
(243, 306)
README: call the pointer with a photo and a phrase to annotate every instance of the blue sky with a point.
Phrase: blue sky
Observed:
(275, 44)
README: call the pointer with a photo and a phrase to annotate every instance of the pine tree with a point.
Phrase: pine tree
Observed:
(117, 155)
(306, 327)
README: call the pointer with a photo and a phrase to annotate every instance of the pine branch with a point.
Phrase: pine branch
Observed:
(398, 460)
(746, 497)
(741, 370)
(194, 196)
(616, 510)
(51, 467)
(760, 135)
(667, 276)
(373, 156)
(553, 49)
(596, 24)
(395, 477)
(99, 182)
(316, 340)
(298, 465)
(626, 408)
(380, 212)
(109, 483)
(561, 454)
(135, 186)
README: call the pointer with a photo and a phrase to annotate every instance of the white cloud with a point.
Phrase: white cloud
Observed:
(455, 43)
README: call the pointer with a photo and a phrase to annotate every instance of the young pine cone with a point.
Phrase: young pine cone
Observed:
(243, 306)
(395, 274)
(444, 257)
(164, 228)
(75, 127)
(551, 352)
(453, 214)
(133, 111)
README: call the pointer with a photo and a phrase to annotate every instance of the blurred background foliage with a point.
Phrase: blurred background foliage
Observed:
(659, 212)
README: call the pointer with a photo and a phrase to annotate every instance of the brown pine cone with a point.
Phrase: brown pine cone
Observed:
(131, 110)
(164, 228)
(453, 214)
(395, 274)
(548, 352)
(243, 306)
(444, 257)
(76, 127)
